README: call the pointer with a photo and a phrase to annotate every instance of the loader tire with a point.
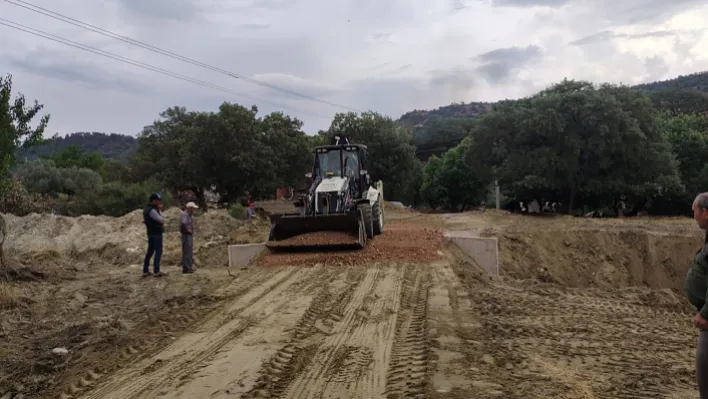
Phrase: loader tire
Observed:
(366, 214)
(377, 215)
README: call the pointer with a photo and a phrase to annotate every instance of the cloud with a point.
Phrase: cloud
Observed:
(180, 10)
(40, 64)
(498, 66)
(609, 35)
(390, 56)
(530, 3)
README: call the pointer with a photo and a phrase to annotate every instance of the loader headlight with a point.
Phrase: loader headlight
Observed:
(329, 174)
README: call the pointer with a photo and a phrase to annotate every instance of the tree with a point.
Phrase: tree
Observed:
(15, 130)
(232, 151)
(75, 157)
(43, 177)
(454, 181)
(575, 142)
(391, 154)
(432, 192)
(680, 101)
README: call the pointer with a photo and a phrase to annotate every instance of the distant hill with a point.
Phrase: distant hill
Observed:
(113, 145)
(695, 81)
(454, 110)
(440, 129)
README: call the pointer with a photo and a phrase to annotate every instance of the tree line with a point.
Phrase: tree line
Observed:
(583, 145)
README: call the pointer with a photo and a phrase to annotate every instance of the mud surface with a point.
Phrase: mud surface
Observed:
(400, 242)
(582, 309)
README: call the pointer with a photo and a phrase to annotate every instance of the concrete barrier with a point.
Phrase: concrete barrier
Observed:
(483, 250)
(242, 255)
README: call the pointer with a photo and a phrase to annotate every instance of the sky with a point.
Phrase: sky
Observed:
(312, 58)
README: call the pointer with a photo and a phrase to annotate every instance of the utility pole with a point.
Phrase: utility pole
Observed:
(496, 193)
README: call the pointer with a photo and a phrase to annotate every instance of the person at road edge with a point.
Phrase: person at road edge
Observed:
(186, 227)
(155, 225)
(696, 286)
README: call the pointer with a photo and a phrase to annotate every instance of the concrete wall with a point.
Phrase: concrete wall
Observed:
(242, 255)
(484, 250)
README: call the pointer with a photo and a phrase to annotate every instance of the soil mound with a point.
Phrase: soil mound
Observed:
(600, 258)
(116, 240)
(400, 242)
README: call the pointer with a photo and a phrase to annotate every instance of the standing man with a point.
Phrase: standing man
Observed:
(696, 285)
(155, 225)
(186, 227)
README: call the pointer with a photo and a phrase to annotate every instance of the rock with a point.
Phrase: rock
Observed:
(60, 351)
(80, 297)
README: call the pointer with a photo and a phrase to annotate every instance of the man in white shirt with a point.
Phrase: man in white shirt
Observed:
(186, 227)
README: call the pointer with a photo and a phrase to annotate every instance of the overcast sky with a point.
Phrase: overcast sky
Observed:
(390, 56)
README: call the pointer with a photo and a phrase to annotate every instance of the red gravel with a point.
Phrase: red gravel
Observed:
(404, 243)
(318, 238)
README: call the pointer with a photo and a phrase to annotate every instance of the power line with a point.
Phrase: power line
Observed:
(126, 60)
(75, 22)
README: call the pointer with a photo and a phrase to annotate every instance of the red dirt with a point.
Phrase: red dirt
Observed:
(405, 243)
(319, 238)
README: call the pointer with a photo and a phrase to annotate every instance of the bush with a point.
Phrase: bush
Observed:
(237, 211)
(43, 177)
(15, 199)
(116, 199)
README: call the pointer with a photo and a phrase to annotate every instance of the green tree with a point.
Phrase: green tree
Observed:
(577, 143)
(680, 101)
(432, 192)
(391, 153)
(454, 181)
(231, 150)
(75, 157)
(42, 176)
(15, 130)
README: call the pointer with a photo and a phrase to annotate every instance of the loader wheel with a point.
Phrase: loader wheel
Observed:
(377, 215)
(368, 220)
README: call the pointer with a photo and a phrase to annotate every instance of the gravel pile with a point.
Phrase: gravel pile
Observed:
(404, 243)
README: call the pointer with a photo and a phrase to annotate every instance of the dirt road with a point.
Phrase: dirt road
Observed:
(347, 332)
(582, 309)
(444, 330)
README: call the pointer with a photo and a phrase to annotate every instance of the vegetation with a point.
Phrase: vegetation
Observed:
(582, 145)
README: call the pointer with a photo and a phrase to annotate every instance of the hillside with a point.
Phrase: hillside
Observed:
(113, 146)
(695, 81)
(435, 131)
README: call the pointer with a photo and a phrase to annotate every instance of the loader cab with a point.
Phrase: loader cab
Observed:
(344, 161)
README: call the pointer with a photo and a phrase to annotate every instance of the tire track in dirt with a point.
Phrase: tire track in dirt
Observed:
(544, 340)
(342, 350)
(409, 365)
(142, 347)
(454, 324)
(148, 376)
(310, 382)
(278, 371)
(234, 370)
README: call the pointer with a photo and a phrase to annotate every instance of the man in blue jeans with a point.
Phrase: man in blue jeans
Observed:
(155, 225)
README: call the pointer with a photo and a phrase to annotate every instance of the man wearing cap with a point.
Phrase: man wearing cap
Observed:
(186, 227)
(155, 225)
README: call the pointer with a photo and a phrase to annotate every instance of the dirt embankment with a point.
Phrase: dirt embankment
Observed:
(603, 258)
(74, 283)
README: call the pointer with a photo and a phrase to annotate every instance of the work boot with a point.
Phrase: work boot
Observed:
(187, 271)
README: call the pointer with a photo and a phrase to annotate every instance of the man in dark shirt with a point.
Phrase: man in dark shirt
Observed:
(155, 226)
(696, 285)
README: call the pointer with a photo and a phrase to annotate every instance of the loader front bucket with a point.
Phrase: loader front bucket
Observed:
(334, 231)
